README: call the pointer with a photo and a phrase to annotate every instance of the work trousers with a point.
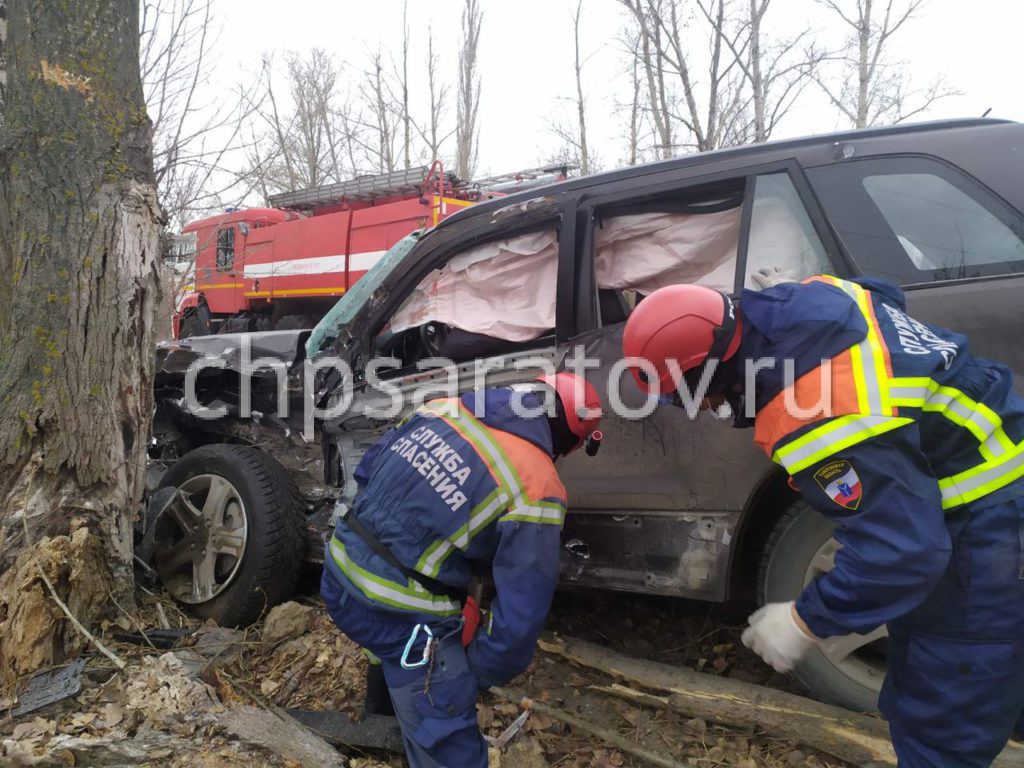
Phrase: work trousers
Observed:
(955, 688)
(435, 703)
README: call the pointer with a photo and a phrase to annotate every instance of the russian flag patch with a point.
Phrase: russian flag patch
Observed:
(840, 482)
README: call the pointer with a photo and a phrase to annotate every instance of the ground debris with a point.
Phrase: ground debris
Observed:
(286, 621)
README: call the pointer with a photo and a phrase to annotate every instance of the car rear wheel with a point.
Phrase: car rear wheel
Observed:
(230, 544)
(847, 670)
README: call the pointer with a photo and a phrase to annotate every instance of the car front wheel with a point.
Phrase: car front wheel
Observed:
(847, 670)
(230, 544)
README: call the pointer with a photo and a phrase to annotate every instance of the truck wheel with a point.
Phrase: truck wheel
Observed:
(295, 323)
(848, 670)
(231, 545)
(191, 325)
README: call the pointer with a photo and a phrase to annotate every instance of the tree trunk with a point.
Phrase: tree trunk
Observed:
(466, 130)
(756, 79)
(79, 245)
(863, 72)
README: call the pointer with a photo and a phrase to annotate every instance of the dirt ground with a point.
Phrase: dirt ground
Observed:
(171, 707)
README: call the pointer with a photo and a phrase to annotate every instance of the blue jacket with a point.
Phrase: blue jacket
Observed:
(451, 495)
(891, 427)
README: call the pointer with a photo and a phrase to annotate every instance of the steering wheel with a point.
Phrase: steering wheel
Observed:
(432, 338)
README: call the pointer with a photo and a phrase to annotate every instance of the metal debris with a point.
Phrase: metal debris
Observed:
(48, 687)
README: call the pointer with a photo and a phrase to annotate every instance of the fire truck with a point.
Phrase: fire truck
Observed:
(283, 266)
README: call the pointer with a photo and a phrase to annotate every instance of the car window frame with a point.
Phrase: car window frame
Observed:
(906, 278)
(229, 266)
(428, 256)
(588, 314)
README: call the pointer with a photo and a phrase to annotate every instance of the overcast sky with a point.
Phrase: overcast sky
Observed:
(526, 59)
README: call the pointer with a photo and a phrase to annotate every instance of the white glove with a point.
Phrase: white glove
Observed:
(775, 636)
(769, 277)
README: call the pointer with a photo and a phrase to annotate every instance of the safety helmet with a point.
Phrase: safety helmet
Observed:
(684, 323)
(580, 402)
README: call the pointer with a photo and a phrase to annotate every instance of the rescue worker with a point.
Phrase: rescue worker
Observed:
(916, 455)
(444, 497)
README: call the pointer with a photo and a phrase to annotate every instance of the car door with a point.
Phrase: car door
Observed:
(657, 509)
(955, 245)
(499, 294)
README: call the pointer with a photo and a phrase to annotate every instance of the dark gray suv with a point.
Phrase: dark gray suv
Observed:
(671, 506)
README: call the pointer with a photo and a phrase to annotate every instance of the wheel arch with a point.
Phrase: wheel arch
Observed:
(765, 505)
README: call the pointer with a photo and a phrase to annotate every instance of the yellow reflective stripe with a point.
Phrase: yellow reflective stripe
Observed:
(988, 477)
(868, 356)
(544, 513)
(479, 517)
(391, 593)
(831, 437)
(981, 421)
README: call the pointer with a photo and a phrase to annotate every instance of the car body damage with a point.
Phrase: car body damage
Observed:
(675, 503)
(219, 413)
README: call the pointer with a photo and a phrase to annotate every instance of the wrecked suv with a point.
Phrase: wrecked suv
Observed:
(671, 506)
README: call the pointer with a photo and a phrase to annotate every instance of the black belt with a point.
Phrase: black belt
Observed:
(431, 585)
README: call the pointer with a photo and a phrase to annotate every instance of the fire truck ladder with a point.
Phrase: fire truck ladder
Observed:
(364, 189)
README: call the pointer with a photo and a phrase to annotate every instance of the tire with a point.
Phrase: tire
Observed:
(801, 546)
(295, 323)
(191, 325)
(253, 520)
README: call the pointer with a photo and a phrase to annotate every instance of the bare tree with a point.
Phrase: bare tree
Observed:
(867, 87)
(635, 107)
(777, 71)
(577, 150)
(467, 132)
(195, 139)
(712, 111)
(431, 133)
(403, 88)
(79, 245)
(307, 145)
(376, 94)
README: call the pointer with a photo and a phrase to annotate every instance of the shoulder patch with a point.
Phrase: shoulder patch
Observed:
(841, 483)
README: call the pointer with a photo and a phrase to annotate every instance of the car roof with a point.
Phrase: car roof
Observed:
(708, 160)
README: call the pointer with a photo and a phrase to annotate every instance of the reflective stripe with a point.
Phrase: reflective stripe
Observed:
(869, 356)
(389, 592)
(833, 436)
(542, 513)
(479, 517)
(980, 420)
(979, 481)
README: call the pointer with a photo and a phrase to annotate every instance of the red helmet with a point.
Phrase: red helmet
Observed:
(579, 400)
(685, 323)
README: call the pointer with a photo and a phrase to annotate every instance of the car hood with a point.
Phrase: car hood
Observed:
(173, 357)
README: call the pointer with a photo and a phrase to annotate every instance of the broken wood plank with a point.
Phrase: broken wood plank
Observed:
(620, 742)
(855, 738)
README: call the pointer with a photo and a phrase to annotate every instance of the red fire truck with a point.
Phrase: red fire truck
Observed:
(282, 267)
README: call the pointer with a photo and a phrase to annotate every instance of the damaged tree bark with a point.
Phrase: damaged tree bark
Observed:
(857, 739)
(79, 246)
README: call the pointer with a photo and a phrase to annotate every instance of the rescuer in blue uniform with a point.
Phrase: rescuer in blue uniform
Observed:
(916, 454)
(463, 487)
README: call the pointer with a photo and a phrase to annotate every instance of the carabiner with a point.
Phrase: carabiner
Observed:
(427, 648)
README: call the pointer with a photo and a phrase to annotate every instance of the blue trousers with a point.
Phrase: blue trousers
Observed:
(435, 704)
(955, 688)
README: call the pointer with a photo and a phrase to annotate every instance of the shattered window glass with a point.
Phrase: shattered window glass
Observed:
(341, 314)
